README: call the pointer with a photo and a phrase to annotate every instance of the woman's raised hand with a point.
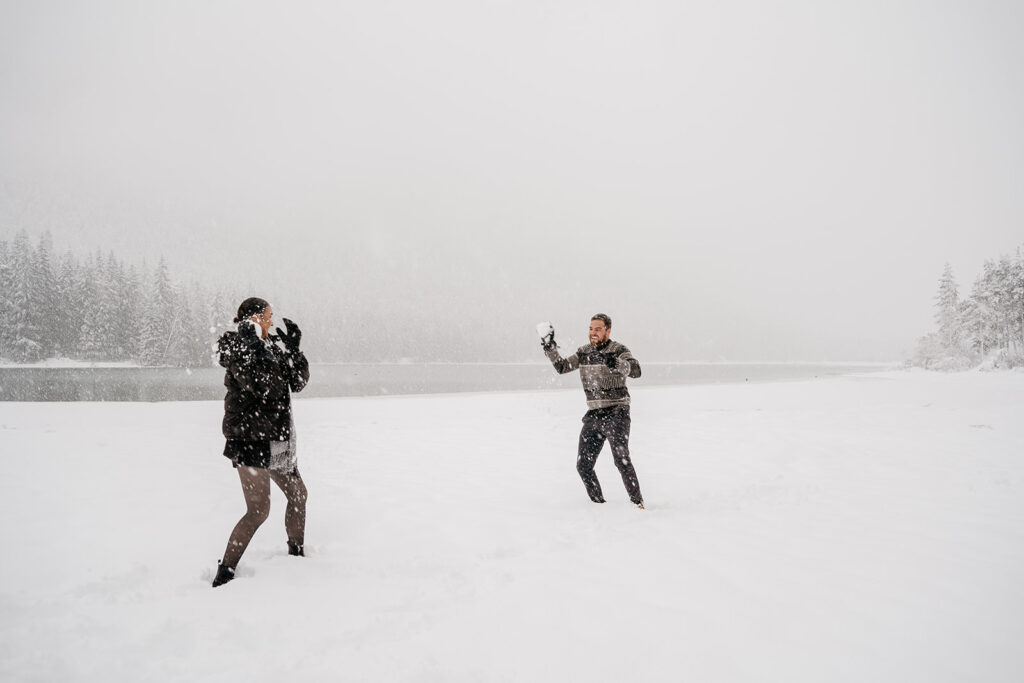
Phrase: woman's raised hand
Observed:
(292, 337)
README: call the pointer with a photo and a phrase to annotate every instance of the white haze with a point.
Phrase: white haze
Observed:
(734, 180)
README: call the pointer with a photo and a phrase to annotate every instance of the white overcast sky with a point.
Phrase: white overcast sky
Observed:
(741, 180)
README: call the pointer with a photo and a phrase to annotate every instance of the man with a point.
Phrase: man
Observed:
(604, 366)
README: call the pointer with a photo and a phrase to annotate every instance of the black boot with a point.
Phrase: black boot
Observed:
(224, 574)
(296, 549)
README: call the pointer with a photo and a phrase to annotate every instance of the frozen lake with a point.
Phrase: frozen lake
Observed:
(30, 383)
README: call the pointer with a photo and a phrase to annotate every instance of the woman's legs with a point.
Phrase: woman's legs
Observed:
(256, 489)
(295, 516)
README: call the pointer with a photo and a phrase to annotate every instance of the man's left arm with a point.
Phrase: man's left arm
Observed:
(626, 365)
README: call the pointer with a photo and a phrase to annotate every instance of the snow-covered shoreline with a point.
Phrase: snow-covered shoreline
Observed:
(865, 527)
(369, 379)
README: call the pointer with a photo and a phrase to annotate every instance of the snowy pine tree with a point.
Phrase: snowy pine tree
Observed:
(158, 319)
(112, 286)
(190, 336)
(6, 306)
(95, 311)
(68, 306)
(973, 326)
(1004, 304)
(982, 314)
(25, 333)
(129, 312)
(199, 337)
(178, 350)
(44, 300)
(1016, 305)
(947, 314)
(218, 321)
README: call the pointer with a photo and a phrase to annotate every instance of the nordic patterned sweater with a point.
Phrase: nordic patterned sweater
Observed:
(604, 386)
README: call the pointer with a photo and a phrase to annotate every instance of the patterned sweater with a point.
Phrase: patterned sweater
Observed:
(604, 386)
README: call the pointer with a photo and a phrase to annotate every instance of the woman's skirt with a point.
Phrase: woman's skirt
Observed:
(279, 456)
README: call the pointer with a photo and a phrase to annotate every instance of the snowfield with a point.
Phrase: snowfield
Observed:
(860, 528)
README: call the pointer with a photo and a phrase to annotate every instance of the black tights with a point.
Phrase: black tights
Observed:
(256, 489)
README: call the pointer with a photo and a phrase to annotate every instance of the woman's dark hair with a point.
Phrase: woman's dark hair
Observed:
(250, 307)
(603, 318)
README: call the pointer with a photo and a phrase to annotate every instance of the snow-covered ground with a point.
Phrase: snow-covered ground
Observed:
(861, 528)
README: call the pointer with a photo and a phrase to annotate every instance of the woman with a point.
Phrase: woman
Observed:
(258, 424)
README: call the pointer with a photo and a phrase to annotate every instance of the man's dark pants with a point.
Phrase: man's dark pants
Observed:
(611, 424)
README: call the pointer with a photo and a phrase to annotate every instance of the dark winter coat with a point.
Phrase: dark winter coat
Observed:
(603, 371)
(257, 405)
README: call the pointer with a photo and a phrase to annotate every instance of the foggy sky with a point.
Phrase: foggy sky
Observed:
(727, 180)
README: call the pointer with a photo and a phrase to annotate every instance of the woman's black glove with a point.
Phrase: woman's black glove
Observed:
(247, 333)
(249, 339)
(292, 337)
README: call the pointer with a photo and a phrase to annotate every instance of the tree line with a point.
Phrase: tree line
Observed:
(985, 327)
(98, 308)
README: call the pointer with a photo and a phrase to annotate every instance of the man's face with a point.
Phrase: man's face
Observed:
(598, 332)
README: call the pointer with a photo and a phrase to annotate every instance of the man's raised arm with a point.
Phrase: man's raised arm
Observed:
(547, 342)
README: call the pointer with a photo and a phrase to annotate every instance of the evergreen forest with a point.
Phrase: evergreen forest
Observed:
(99, 309)
(984, 328)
